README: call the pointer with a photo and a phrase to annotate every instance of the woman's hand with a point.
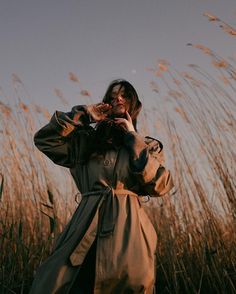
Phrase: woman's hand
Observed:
(99, 111)
(125, 123)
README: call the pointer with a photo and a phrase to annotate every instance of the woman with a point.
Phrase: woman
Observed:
(109, 244)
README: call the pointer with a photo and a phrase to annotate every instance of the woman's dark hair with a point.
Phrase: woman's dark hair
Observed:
(107, 134)
(130, 93)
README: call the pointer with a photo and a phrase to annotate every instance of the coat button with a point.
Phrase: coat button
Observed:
(106, 162)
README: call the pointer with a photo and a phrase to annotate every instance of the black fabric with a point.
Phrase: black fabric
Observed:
(107, 135)
(84, 283)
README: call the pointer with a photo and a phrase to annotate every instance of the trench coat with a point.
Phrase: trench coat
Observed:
(110, 210)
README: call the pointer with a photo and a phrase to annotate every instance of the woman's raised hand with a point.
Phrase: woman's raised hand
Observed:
(125, 123)
(99, 111)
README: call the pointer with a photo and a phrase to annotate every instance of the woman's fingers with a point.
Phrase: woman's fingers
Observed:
(98, 111)
(125, 124)
(128, 117)
(103, 107)
(120, 121)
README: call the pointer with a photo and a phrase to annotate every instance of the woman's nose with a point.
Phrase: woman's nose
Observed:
(120, 98)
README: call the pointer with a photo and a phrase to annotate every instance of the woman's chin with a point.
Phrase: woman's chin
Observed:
(119, 111)
(118, 114)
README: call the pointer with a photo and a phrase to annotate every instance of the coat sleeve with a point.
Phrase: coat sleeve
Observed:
(58, 140)
(146, 164)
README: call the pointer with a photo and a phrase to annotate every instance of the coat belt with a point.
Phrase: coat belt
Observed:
(107, 224)
(110, 210)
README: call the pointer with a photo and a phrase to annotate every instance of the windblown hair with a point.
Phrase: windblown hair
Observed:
(130, 93)
(107, 134)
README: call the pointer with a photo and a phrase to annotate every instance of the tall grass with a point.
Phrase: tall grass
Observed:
(36, 197)
(195, 225)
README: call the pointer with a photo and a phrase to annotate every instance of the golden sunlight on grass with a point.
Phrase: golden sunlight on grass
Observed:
(195, 117)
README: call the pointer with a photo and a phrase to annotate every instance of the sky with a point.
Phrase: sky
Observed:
(101, 40)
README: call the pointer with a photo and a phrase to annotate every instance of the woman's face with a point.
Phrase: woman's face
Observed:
(120, 104)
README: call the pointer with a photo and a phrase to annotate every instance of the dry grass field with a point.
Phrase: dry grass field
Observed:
(196, 224)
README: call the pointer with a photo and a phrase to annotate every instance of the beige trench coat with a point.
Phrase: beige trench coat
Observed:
(110, 210)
